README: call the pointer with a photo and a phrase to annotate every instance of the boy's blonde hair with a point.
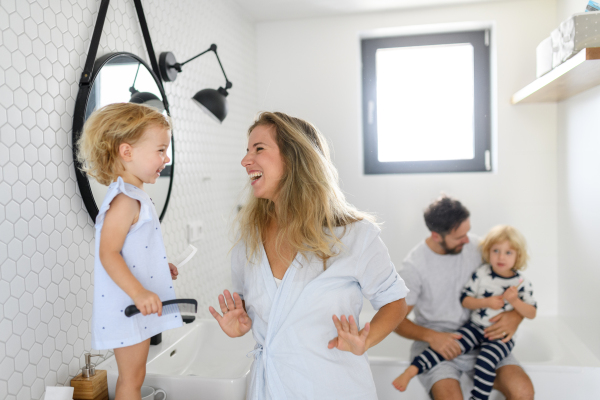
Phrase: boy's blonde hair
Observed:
(106, 129)
(517, 242)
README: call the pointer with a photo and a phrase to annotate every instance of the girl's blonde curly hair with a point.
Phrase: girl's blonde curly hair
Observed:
(503, 233)
(106, 129)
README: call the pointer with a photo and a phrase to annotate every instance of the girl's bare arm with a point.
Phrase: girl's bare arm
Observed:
(123, 213)
(473, 304)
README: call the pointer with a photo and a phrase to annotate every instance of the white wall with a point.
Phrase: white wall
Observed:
(566, 8)
(579, 214)
(578, 211)
(46, 235)
(311, 69)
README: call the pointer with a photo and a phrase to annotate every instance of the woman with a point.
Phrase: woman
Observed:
(305, 256)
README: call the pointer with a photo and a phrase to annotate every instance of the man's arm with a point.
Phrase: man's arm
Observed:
(442, 342)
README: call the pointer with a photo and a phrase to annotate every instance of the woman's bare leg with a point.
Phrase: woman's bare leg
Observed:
(131, 362)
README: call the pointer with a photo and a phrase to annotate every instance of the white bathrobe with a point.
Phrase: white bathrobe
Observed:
(292, 323)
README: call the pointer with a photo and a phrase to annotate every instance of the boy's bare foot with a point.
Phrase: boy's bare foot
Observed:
(401, 382)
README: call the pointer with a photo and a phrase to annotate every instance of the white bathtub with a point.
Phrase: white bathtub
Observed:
(559, 365)
(200, 362)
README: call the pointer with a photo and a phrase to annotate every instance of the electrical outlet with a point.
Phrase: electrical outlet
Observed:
(195, 231)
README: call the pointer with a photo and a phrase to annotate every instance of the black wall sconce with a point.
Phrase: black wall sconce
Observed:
(212, 101)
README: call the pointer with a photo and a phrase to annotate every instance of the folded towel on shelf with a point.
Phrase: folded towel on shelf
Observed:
(543, 56)
(573, 35)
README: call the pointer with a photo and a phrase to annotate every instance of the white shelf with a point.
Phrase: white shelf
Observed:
(576, 75)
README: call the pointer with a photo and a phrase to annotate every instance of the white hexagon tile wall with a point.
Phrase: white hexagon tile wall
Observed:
(46, 235)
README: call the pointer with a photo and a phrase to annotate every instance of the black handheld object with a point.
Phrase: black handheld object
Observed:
(170, 306)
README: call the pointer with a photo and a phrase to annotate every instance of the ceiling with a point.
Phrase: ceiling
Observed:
(274, 10)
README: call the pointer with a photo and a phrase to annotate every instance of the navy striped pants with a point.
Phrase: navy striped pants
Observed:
(492, 352)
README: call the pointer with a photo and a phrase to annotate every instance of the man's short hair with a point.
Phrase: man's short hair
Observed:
(444, 215)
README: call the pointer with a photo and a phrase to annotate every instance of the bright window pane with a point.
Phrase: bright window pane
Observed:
(425, 103)
(122, 76)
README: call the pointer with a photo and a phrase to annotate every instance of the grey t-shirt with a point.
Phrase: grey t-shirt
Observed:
(436, 282)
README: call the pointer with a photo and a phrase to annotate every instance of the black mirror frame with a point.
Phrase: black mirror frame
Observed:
(90, 71)
(79, 120)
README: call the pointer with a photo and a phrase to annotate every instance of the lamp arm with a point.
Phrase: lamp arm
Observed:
(132, 88)
(213, 47)
(228, 84)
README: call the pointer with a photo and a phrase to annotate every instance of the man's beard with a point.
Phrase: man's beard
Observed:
(455, 250)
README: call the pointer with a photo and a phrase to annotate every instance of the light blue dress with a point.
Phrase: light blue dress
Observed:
(292, 323)
(145, 255)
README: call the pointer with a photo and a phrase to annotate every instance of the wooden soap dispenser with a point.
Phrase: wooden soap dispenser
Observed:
(90, 384)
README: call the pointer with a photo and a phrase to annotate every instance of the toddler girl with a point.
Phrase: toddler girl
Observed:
(494, 288)
(125, 145)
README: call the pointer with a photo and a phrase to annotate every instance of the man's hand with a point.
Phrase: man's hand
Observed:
(446, 344)
(504, 327)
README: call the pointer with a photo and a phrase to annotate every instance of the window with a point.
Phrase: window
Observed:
(426, 103)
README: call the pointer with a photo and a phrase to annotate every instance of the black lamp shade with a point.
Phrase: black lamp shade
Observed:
(148, 99)
(213, 102)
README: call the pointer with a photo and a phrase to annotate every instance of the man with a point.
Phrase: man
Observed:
(435, 271)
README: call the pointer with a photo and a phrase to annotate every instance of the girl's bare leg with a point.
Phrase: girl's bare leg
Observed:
(401, 382)
(131, 362)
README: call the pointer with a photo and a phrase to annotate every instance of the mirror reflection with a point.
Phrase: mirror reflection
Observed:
(125, 79)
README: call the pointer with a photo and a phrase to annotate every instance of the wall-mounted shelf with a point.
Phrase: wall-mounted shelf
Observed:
(579, 73)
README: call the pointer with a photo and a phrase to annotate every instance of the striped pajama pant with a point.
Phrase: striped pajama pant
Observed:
(491, 353)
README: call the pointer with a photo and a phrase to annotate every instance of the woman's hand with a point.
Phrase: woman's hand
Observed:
(504, 327)
(174, 271)
(148, 302)
(235, 322)
(446, 344)
(349, 337)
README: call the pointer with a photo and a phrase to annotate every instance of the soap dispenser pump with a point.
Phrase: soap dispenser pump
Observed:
(90, 384)
(90, 369)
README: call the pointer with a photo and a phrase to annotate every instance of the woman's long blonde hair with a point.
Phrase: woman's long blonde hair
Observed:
(310, 202)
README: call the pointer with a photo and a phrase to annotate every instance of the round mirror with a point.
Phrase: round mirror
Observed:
(120, 78)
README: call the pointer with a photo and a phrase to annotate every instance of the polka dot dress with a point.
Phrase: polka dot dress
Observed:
(145, 255)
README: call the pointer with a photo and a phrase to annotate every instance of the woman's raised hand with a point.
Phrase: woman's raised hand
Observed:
(349, 337)
(235, 322)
